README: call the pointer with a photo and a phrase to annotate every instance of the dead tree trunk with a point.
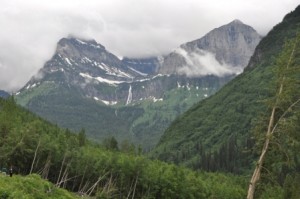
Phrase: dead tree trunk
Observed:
(83, 176)
(45, 170)
(35, 153)
(61, 168)
(257, 172)
(136, 180)
(91, 189)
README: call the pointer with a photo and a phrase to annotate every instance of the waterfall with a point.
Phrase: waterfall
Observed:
(129, 98)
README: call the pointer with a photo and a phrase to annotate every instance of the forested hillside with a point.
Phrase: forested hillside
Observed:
(217, 133)
(31, 145)
(277, 130)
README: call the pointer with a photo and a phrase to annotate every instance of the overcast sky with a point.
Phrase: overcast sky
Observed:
(30, 29)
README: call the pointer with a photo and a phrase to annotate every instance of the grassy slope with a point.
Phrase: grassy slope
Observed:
(30, 187)
(148, 128)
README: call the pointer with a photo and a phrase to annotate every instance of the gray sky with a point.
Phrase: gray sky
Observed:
(30, 29)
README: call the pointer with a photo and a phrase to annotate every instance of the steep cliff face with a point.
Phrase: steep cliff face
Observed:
(147, 66)
(224, 50)
(90, 68)
(89, 57)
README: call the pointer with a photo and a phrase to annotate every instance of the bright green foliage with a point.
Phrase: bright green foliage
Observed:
(30, 187)
(65, 160)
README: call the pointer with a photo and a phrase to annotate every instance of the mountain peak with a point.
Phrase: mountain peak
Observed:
(236, 21)
(229, 47)
(80, 62)
(79, 42)
(75, 48)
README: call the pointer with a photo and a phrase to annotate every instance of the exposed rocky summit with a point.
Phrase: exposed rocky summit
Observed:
(87, 57)
(229, 46)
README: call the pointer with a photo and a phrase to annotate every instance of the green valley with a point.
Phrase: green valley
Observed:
(32, 145)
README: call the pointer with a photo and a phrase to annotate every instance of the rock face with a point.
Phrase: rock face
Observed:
(87, 65)
(87, 58)
(145, 65)
(4, 94)
(230, 45)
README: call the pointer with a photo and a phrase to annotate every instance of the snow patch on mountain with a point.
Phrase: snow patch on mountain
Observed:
(89, 44)
(157, 100)
(68, 61)
(86, 60)
(109, 102)
(101, 79)
(29, 86)
(138, 72)
(105, 101)
(81, 42)
(113, 71)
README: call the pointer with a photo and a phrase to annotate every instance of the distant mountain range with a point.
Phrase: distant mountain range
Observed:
(85, 86)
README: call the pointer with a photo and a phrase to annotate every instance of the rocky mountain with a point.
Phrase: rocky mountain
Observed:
(224, 50)
(217, 133)
(85, 86)
(4, 94)
(85, 65)
(147, 66)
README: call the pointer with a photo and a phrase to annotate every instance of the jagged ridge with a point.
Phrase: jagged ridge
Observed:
(229, 46)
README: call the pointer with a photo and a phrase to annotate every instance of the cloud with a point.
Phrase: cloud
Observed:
(201, 63)
(30, 29)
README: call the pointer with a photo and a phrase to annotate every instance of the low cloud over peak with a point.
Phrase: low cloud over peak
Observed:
(201, 63)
